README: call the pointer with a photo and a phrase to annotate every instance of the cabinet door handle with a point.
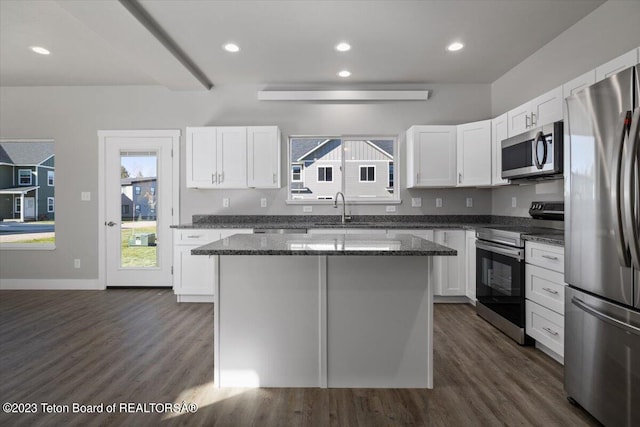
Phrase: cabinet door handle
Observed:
(194, 236)
(214, 178)
(552, 258)
(533, 119)
(418, 177)
(274, 178)
(459, 178)
(526, 121)
(551, 331)
(551, 291)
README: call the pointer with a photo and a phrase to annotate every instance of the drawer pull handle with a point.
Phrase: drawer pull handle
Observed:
(551, 331)
(552, 258)
(194, 236)
(551, 291)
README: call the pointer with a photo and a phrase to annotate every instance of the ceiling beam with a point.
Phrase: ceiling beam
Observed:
(343, 95)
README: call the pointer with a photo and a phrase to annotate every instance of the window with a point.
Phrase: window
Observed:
(28, 194)
(137, 190)
(137, 209)
(367, 174)
(325, 174)
(125, 209)
(360, 167)
(296, 173)
(24, 177)
(153, 191)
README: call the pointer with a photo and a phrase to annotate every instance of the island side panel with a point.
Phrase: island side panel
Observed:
(268, 321)
(379, 318)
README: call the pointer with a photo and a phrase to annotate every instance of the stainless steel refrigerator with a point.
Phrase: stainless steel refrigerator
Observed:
(602, 249)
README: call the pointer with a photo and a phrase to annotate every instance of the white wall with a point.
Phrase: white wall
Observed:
(73, 115)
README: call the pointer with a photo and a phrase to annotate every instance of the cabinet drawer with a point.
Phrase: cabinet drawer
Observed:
(545, 326)
(195, 236)
(545, 287)
(546, 256)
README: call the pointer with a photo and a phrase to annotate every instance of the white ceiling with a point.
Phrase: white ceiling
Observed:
(282, 42)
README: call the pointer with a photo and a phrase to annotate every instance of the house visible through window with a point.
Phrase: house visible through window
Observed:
(325, 174)
(27, 193)
(360, 167)
(367, 173)
(24, 177)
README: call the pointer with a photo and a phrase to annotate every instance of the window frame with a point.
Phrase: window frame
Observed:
(17, 204)
(298, 165)
(394, 199)
(51, 178)
(325, 180)
(51, 204)
(30, 171)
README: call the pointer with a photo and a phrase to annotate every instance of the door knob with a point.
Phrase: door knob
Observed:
(111, 223)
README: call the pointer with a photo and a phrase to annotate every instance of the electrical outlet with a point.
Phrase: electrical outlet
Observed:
(438, 202)
(391, 208)
(514, 202)
(225, 202)
(263, 202)
(469, 202)
(307, 209)
(416, 202)
(76, 263)
(85, 196)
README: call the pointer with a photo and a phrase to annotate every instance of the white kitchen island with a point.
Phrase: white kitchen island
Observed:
(300, 310)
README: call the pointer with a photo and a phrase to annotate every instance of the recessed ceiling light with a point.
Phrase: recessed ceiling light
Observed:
(231, 47)
(344, 73)
(40, 50)
(343, 47)
(455, 46)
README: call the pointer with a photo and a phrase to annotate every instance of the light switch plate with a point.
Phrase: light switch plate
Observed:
(469, 202)
(438, 202)
(85, 196)
(263, 202)
(307, 209)
(391, 208)
(225, 202)
(416, 202)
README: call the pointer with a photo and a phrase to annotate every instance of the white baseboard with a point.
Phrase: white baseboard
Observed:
(195, 298)
(457, 299)
(50, 284)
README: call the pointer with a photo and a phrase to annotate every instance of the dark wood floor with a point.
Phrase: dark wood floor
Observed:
(140, 346)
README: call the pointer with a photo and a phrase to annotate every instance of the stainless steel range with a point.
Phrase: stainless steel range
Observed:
(500, 271)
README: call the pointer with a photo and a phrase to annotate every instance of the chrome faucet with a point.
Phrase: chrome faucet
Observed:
(344, 206)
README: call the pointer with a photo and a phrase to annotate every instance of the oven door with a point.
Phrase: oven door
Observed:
(500, 280)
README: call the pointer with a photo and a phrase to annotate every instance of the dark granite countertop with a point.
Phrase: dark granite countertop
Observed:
(553, 238)
(323, 244)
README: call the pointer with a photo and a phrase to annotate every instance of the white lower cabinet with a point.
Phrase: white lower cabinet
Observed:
(450, 270)
(194, 275)
(544, 292)
(470, 252)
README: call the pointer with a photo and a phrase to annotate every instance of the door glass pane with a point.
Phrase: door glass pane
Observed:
(138, 208)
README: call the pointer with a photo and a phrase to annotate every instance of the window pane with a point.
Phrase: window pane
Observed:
(27, 192)
(362, 158)
(315, 168)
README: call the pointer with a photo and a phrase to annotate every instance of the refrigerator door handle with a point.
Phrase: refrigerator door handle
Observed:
(616, 189)
(630, 180)
(604, 317)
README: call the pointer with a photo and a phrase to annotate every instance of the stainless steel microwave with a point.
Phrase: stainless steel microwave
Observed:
(534, 154)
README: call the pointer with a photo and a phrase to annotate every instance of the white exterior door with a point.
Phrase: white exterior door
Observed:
(138, 184)
(29, 207)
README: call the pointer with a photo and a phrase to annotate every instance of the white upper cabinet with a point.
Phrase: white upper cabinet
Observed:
(627, 60)
(233, 157)
(263, 156)
(474, 154)
(540, 111)
(431, 156)
(579, 83)
(498, 133)
(201, 155)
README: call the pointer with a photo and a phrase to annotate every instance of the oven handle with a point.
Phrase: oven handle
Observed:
(515, 253)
